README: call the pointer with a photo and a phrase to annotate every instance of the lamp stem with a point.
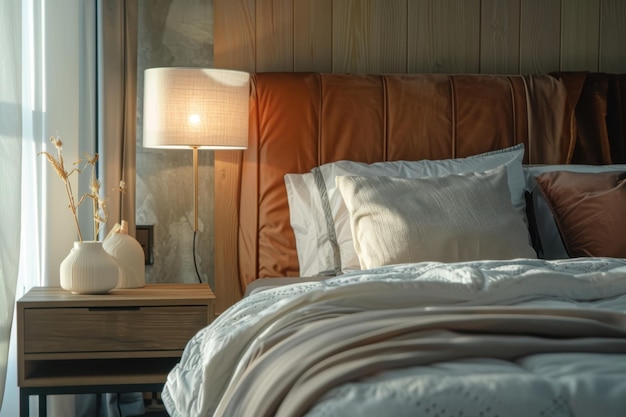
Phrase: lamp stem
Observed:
(195, 188)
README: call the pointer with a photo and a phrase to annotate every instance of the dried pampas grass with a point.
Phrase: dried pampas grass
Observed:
(99, 203)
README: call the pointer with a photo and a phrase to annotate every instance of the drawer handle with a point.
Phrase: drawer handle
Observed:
(129, 308)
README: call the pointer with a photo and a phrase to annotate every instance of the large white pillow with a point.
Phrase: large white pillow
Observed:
(550, 242)
(321, 222)
(453, 218)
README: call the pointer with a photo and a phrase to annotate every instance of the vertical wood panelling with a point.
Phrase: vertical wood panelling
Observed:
(234, 33)
(540, 23)
(443, 36)
(580, 35)
(499, 36)
(312, 35)
(274, 36)
(613, 36)
(369, 36)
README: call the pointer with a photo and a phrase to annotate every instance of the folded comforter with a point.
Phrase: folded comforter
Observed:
(419, 339)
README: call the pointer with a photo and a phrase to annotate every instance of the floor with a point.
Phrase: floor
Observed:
(155, 408)
(162, 413)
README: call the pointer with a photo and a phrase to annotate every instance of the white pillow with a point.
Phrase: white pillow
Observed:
(324, 241)
(552, 246)
(453, 218)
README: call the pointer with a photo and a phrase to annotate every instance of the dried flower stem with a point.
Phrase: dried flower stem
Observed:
(73, 207)
(122, 190)
(59, 166)
(99, 204)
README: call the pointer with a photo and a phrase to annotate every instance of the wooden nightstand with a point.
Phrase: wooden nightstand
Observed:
(124, 341)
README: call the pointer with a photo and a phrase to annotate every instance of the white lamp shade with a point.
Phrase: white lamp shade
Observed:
(195, 107)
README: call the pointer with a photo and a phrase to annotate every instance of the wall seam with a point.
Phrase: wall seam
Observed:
(453, 116)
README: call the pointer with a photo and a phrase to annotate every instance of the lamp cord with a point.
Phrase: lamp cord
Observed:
(195, 264)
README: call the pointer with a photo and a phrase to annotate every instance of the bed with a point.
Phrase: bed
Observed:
(423, 245)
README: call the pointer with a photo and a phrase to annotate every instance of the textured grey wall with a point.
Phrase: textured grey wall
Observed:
(174, 33)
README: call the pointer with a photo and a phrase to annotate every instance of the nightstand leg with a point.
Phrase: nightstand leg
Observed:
(43, 405)
(24, 404)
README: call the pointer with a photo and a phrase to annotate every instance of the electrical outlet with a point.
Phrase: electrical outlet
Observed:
(145, 237)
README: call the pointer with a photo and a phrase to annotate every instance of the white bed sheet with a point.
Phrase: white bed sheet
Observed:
(218, 358)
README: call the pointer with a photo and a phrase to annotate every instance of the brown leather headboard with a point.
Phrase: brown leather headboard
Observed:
(300, 120)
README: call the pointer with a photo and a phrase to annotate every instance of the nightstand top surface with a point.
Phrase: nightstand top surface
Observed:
(150, 294)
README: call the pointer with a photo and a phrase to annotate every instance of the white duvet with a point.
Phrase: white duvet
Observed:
(458, 357)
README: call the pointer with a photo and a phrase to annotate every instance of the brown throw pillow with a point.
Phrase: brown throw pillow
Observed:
(589, 210)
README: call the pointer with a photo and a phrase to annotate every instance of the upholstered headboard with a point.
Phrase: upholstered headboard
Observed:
(301, 120)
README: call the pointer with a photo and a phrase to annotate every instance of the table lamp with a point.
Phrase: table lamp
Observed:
(195, 108)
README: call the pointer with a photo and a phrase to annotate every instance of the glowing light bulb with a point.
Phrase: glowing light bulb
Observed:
(194, 119)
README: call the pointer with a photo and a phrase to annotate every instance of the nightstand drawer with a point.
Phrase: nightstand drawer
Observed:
(111, 329)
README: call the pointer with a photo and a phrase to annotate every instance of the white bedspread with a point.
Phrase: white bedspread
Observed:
(227, 369)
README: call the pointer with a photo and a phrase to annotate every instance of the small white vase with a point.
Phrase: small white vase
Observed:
(89, 269)
(129, 255)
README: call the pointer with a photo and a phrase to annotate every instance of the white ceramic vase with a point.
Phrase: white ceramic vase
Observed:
(89, 269)
(129, 255)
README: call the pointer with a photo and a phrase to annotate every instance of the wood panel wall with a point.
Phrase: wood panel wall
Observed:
(446, 36)
(400, 36)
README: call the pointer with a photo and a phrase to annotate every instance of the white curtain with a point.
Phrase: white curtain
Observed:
(10, 169)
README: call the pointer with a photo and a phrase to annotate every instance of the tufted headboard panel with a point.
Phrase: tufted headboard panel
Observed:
(301, 120)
